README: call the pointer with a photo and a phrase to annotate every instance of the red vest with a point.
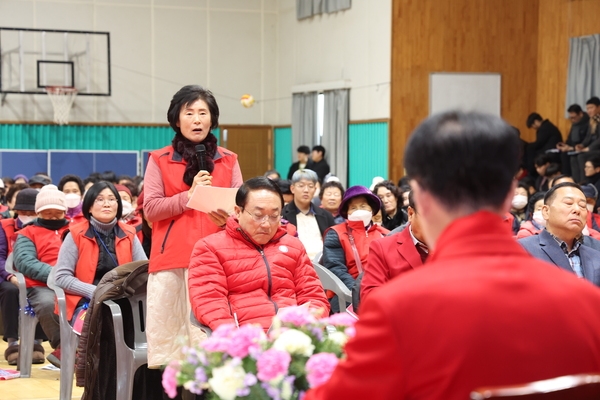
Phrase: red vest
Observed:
(362, 240)
(174, 238)
(10, 230)
(77, 219)
(89, 251)
(47, 244)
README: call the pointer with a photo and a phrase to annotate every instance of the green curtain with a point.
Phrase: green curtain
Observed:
(367, 152)
(283, 150)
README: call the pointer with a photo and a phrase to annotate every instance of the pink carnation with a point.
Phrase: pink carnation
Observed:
(340, 319)
(272, 364)
(319, 368)
(297, 316)
(169, 379)
(245, 340)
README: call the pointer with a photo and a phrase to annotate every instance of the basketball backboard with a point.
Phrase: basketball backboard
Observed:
(32, 59)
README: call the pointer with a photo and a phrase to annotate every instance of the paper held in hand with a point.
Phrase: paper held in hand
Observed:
(210, 198)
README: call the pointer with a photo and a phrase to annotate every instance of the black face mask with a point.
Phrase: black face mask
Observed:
(52, 224)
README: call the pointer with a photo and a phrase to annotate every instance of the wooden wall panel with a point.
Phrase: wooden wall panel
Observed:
(460, 36)
(559, 20)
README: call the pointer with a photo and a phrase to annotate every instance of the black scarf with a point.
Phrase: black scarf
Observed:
(187, 149)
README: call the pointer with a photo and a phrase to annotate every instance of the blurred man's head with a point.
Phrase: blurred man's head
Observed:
(592, 106)
(303, 153)
(318, 153)
(534, 120)
(304, 185)
(575, 113)
(461, 163)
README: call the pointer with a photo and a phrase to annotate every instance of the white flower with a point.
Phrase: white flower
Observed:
(294, 342)
(226, 380)
(339, 338)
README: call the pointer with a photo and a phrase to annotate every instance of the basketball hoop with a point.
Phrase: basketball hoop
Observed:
(62, 98)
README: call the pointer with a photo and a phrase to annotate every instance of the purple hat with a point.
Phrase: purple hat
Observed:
(356, 191)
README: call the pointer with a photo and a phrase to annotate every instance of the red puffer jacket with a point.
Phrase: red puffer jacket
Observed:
(230, 274)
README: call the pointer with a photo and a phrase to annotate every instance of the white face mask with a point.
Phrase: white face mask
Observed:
(127, 208)
(72, 200)
(25, 219)
(519, 202)
(538, 219)
(590, 207)
(361, 215)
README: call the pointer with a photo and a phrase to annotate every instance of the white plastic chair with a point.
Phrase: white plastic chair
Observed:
(331, 282)
(27, 323)
(197, 323)
(129, 359)
(68, 341)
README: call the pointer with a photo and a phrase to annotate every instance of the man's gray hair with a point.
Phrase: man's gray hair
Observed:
(307, 174)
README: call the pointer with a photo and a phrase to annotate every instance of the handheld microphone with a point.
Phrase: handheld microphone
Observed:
(201, 156)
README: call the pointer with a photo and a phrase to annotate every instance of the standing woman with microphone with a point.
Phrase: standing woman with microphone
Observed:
(172, 174)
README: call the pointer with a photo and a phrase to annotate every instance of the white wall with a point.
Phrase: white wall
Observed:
(232, 47)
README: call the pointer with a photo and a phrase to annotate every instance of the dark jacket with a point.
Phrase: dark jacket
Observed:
(592, 136)
(321, 168)
(296, 166)
(546, 138)
(578, 131)
(96, 357)
(323, 217)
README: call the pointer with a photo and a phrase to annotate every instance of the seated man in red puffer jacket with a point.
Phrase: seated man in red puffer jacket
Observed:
(252, 268)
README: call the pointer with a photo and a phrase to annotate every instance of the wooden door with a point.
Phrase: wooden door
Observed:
(254, 146)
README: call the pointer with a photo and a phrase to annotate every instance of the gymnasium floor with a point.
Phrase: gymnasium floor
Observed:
(43, 385)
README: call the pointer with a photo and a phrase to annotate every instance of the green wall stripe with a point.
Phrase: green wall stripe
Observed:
(283, 150)
(367, 152)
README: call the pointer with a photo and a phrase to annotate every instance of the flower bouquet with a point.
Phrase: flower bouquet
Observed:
(299, 352)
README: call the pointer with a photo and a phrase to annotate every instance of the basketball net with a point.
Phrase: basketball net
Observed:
(62, 98)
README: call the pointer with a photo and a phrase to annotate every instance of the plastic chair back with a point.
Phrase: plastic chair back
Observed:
(68, 341)
(331, 282)
(27, 323)
(197, 323)
(572, 387)
(129, 359)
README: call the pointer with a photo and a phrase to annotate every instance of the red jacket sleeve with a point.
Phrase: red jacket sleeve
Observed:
(373, 367)
(208, 287)
(376, 273)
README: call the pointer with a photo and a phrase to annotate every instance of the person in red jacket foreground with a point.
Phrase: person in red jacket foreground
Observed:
(481, 312)
(253, 268)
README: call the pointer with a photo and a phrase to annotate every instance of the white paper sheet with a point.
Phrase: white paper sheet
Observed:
(209, 198)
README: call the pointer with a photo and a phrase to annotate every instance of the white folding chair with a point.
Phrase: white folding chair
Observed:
(68, 341)
(129, 359)
(27, 323)
(331, 282)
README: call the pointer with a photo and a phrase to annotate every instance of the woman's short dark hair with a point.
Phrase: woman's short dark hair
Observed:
(329, 184)
(71, 178)
(258, 183)
(534, 198)
(93, 192)
(186, 96)
(464, 159)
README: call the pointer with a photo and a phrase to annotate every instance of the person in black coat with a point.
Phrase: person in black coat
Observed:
(547, 137)
(303, 161)
(319, 165)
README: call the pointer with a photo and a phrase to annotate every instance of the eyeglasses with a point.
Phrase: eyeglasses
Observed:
(262, 218)
(101, 201)
(301, 186)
